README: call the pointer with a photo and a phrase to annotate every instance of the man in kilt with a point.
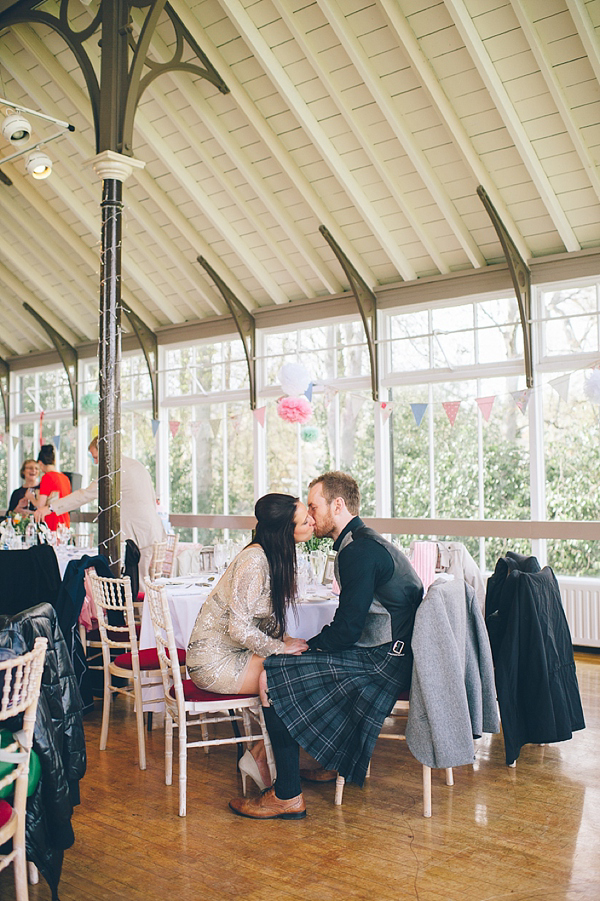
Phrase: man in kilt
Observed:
(332, 699)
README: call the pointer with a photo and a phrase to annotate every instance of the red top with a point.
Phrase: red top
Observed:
(55, 481)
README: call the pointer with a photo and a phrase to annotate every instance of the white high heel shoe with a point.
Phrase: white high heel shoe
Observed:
(248, 766)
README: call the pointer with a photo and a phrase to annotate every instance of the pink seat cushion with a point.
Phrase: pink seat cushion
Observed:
(5, 813)
(148, 659)
(191, 692)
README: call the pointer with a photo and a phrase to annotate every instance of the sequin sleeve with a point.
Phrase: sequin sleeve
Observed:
(249, 591)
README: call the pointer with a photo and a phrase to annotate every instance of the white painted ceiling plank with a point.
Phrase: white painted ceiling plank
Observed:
(494, 85)
(438, 97)
(271, 140)
(28, 273)
(225, 181)
(241, 160)
(361, 135)
(210, 210)
(296, 103)
(557, 95)
(587, 33)
(396, 119)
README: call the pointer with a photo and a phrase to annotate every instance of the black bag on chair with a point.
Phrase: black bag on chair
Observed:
(131, 568)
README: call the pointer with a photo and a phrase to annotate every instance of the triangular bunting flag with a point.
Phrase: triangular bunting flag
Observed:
(485, 405)
(451, 407)
(418, 411)
(386, 408)
(561, 386)
(174, 427)
(308, 392)
(56, 442)
(259, 415)
(195, 427)
(356, 402)
(215, 425)
(16, 442)
(27, 445)
(1, 437)
(328, 395)
(155, 425)
(521, 398)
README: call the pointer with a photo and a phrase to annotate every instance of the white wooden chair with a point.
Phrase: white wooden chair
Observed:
(20, 680)
(170, 554)
(186, 705)
(114, 596)
(159, 550)
(400, 709)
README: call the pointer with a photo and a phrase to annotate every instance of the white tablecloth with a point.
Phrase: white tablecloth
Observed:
(67, 552)
(186, 597)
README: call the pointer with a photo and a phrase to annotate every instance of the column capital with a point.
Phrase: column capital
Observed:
(110, 164)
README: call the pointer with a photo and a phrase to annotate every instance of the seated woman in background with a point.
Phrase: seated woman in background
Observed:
(19, 501)
(54, 484)
(243, 619)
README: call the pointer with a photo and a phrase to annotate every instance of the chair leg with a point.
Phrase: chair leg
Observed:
(182, 769)
(339, 790)
(139, 717)
(168, 748)
(33, 873)
(449, 776)
(426, 791)
(106, 702)
(149, 715)
(20, 865)
(268, 746)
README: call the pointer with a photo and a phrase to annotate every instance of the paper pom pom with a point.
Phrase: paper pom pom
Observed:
(294, 379)
(309, 433)
(294, 409)
(90, 402)
(592, 386)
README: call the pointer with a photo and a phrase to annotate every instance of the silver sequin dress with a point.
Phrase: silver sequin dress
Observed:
(235, 622)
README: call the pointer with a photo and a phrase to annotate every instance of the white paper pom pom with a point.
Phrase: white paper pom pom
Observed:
(294, 379)
(592, 386)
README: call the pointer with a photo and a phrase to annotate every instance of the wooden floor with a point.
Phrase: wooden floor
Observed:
(521, 834)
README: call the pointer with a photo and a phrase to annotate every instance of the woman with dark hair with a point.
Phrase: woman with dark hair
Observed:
(54, 485)
(19, 500)
(243, 619)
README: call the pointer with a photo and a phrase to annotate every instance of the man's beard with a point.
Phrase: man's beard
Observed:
(325, 528)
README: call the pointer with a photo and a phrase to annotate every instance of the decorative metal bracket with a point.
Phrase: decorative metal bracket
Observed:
(244, 322)
(125, 59)
(67, 354)
(5, 391)
(521, 279)
(367, 305)
(149, 344)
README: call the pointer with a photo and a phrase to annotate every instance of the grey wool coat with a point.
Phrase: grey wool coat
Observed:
(453, 695)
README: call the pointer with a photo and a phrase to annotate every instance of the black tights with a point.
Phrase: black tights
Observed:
(286, 753)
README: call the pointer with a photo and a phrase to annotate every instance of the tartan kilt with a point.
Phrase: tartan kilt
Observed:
(334, 703)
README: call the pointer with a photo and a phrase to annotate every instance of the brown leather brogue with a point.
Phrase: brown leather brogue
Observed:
(269, 807)
(318, 774)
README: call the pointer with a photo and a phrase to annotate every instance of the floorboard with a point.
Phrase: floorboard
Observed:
(526, 834)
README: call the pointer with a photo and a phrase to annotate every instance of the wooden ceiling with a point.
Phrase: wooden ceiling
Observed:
(375, 118)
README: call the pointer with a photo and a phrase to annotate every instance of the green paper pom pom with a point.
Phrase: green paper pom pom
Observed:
(309, 433)
(90, 402)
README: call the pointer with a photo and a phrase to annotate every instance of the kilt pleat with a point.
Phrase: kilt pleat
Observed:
(334, 704)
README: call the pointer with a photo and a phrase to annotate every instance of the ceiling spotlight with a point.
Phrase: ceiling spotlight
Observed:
(38, 164)
(16, 129)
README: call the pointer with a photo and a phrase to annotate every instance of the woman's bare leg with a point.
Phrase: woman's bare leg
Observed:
(250, 686)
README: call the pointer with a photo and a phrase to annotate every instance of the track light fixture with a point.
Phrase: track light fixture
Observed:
(38, 164)
(16, 129)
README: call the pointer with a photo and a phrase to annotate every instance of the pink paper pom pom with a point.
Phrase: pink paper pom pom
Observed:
(294, 409)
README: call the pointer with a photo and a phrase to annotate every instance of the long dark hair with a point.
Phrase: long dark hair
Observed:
(275, 534)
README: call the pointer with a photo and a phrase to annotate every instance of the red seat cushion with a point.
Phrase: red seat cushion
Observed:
(148, 659)
(191, 692)
(141, 596)
(94, 634)
(5, 813)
